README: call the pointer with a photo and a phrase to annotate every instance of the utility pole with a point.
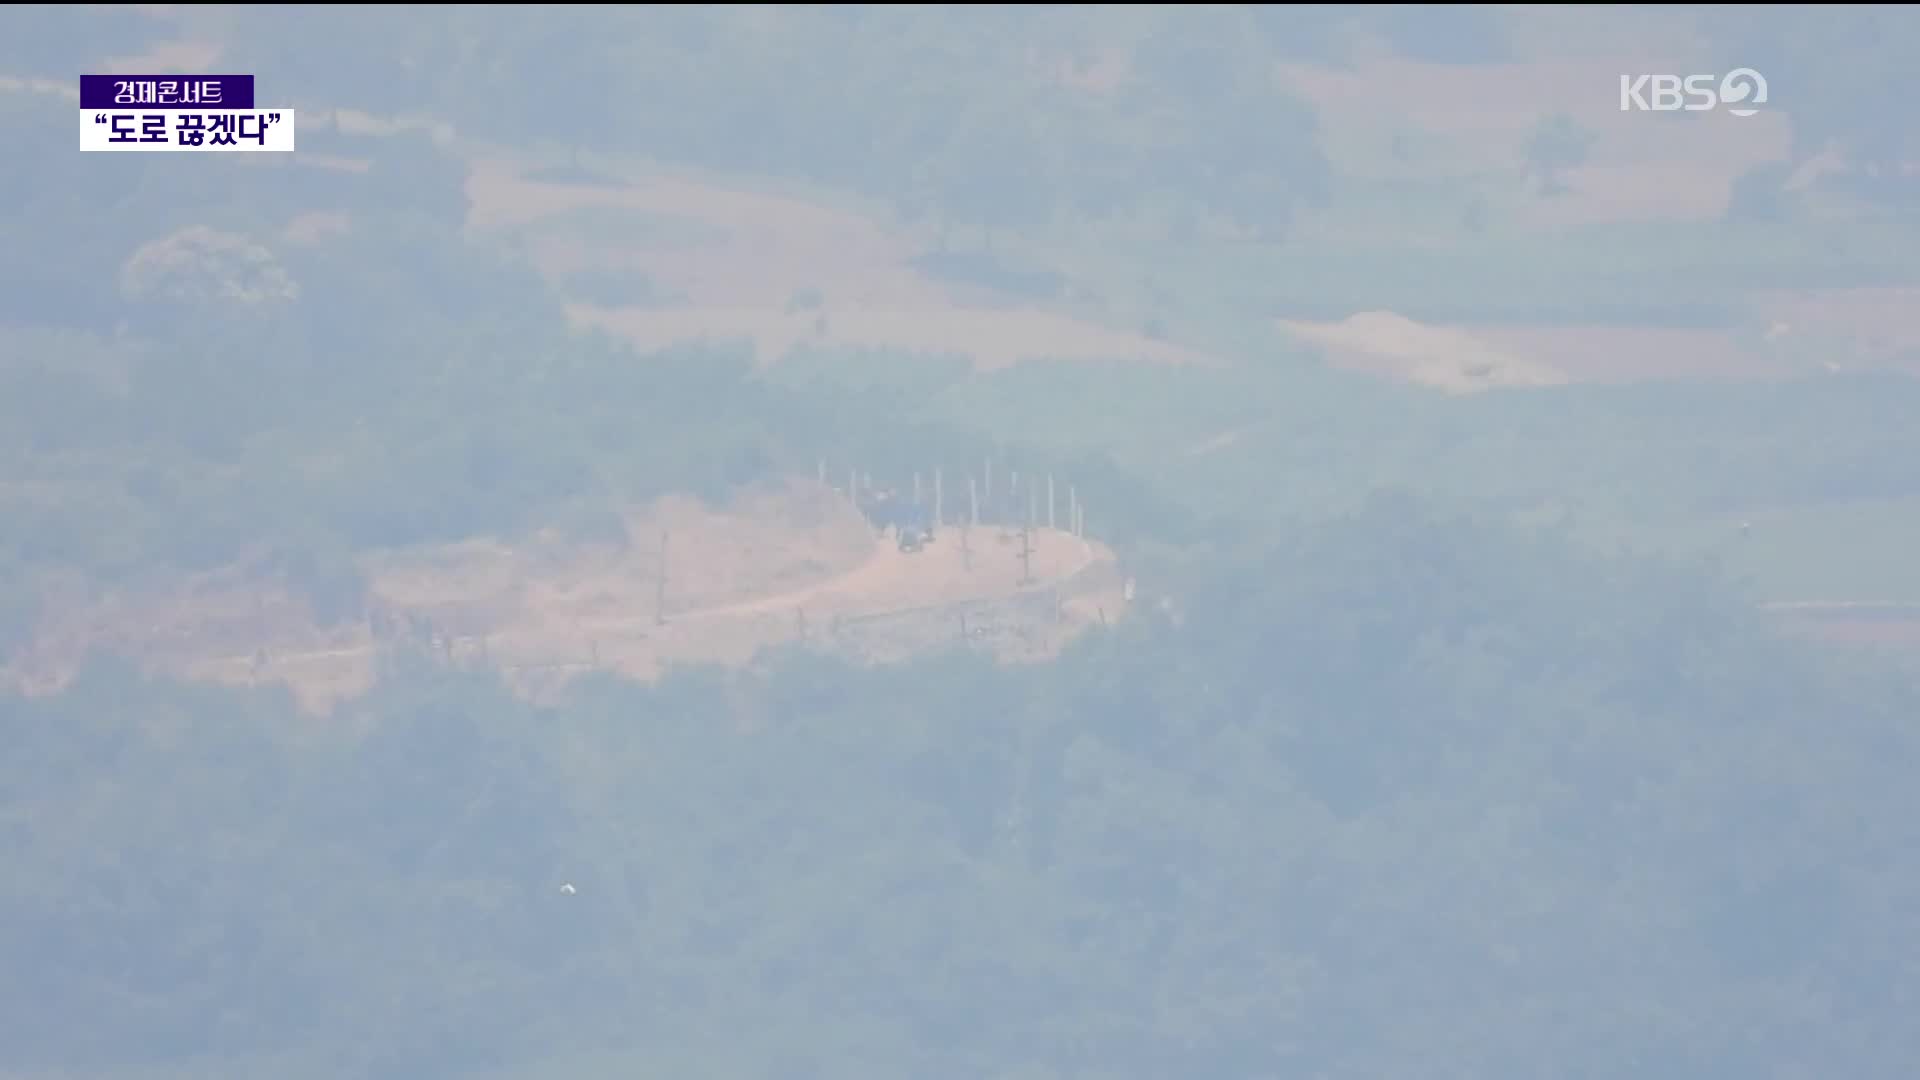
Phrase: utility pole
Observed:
(967, 526)
(1049, 500)
(916, 489)
(660, 587)
(988, 484)
(1026, 542)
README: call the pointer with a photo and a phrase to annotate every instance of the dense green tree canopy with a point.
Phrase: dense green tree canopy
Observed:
(1383, 790)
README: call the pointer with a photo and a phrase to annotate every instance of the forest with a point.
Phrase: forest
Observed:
(1463, 753)
(1407, 791)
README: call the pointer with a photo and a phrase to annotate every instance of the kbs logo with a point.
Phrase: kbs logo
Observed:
(1739, 89)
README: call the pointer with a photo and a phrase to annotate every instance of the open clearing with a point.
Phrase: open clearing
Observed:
(795, 567)
(733, 262)
(1383, 343)
(1819, 332)
(991, 339)
(1385, 117)
(728, 262)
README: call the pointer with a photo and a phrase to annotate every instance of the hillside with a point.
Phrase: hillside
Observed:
(1407, 564)
(792, 566)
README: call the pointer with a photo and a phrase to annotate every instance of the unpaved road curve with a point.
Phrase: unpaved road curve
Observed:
(886, 572)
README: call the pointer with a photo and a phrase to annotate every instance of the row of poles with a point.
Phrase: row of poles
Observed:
(980, 492)
(389, 629)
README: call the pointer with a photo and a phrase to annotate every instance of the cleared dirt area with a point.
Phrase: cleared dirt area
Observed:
(1458, 362)
(733, 262)
(992, 339)
(792, 567)
(1387, 117)
(1819, 333)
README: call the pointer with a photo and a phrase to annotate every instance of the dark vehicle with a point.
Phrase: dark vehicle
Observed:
(915, 528)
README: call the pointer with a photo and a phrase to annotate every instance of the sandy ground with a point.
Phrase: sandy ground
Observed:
(757, 252)
(1444, 358)
(785, 568)
(542, 645)
(992, 339)
(1825, 332)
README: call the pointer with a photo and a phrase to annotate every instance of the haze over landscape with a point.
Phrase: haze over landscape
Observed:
(1009, 542)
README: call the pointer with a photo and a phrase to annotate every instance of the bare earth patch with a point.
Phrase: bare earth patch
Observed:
(764, 250)
(1819, 333)
(1458, 362)
(993, 338)
(793, 567)
(764, 247)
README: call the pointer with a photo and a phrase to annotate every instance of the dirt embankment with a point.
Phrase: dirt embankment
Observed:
(794, 566)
